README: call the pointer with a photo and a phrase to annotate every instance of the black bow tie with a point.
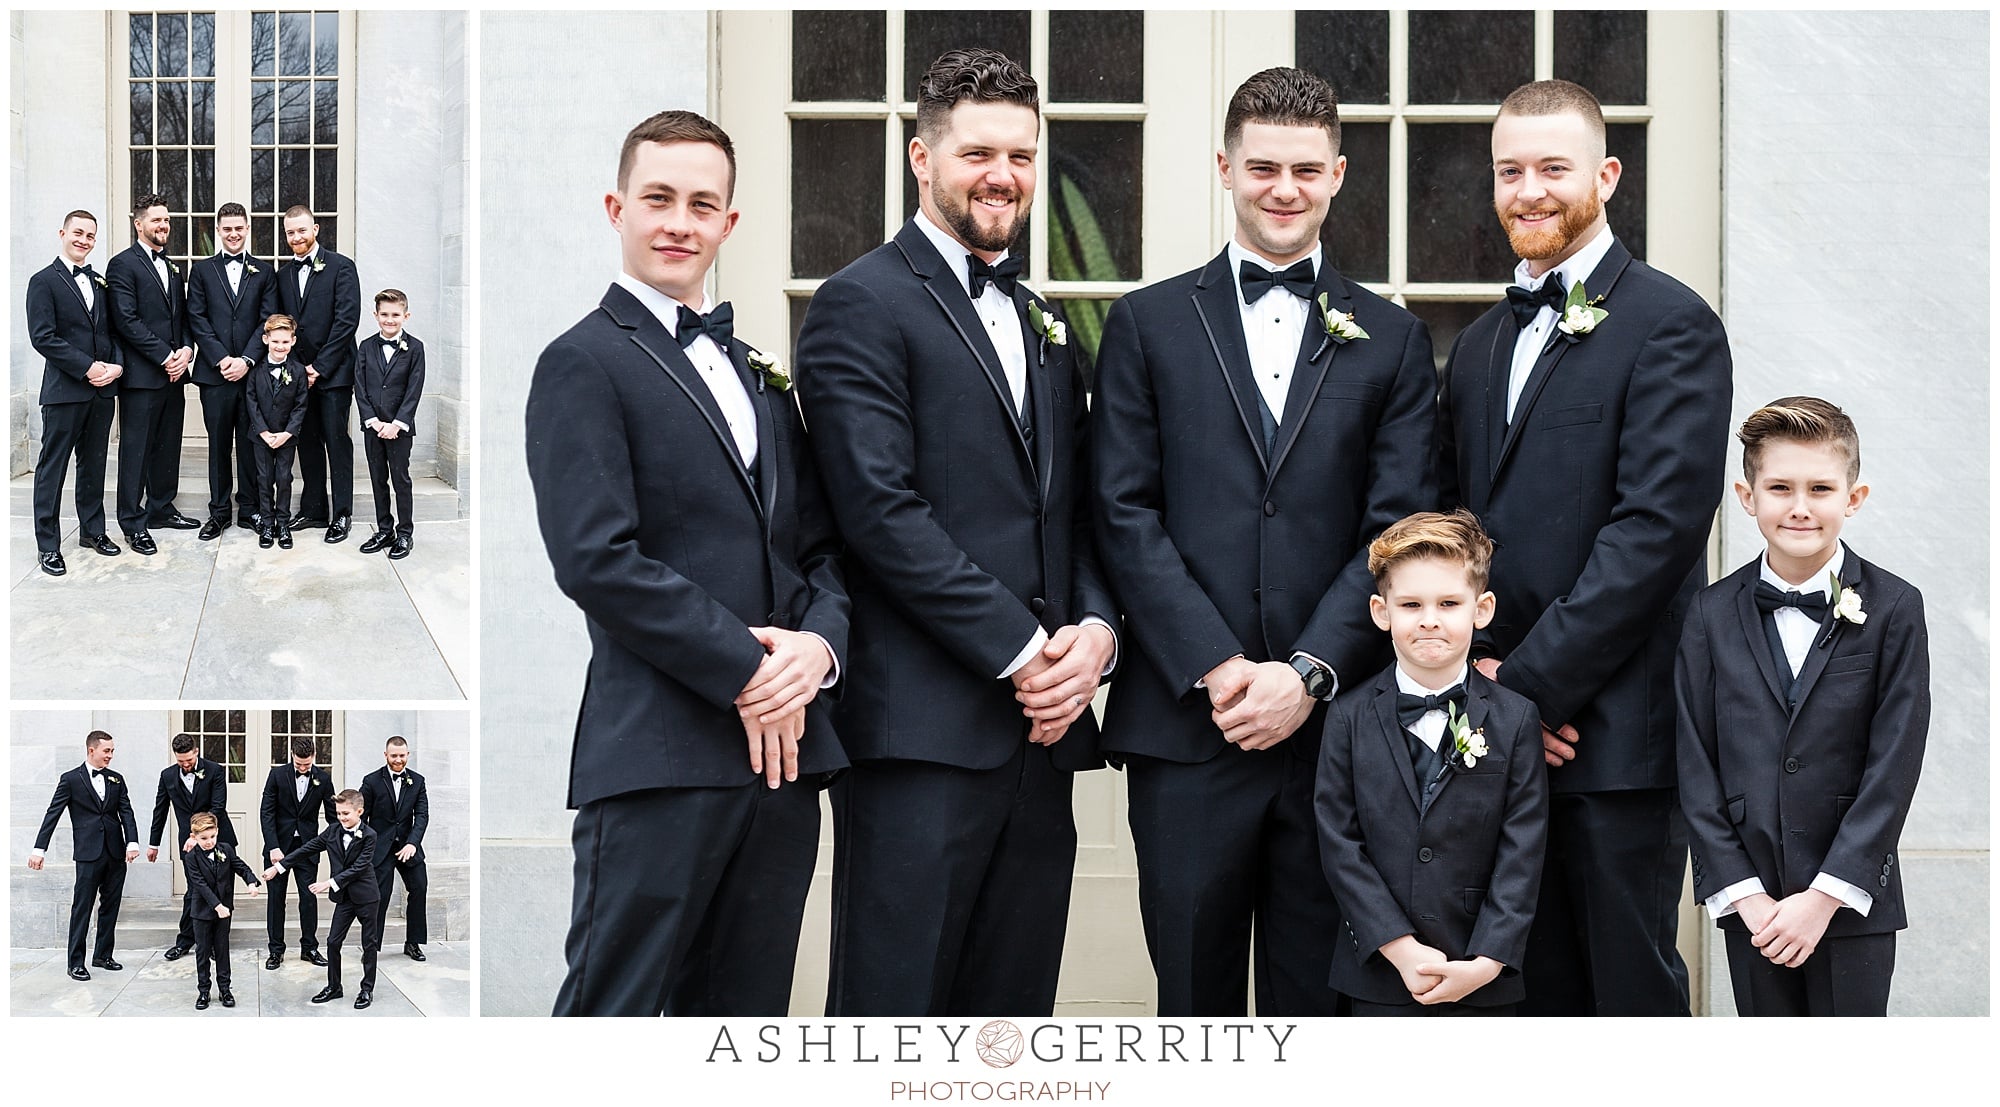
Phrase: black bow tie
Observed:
(97, 772)
(1005, 276)
(233, 259)
(1256, 280)
(79, 270)
(1410, 709)
(398, 778)
(307, 775)
(1527, 304)
(158, 255)
(1769, 599)
(719, 325)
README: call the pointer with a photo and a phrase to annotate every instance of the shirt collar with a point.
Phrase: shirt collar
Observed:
(1238, 255)
(1579, 265)
(664, 307)
(952, 250)
(1814, 584)
(1409, 685)
(69, 268)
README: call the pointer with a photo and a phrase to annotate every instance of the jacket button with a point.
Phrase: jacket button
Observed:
(1791, 764)
(1270, 508)
(1424, 854)
(1888, 860)
(1883, 881)
(1037, 604)
(1256, 595)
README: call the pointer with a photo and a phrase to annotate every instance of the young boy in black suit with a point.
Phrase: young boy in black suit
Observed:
(191, 785)
(1432, 798)
(209, 865)
(1803, 688)
(388, 382)
(350, 846)
(277, 414)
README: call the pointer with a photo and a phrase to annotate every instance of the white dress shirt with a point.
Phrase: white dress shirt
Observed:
(82, 284)
(304, 267)
(160, 271)
(1429, 729)
(1528, 347)
(234, 268)
(995, 308)
(389, 352)
(710, 362)
(1272, 328)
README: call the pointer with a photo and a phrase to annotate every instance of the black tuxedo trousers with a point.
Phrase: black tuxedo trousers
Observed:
(326, 454)
(231, 449)
(104, 881)
(83, 431)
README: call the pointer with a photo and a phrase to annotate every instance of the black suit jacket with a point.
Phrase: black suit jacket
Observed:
(673, 549)
(1599, 497)
(1222, 546)
(964, 533)
(208, 872)
(275, 405)
(225, 323)
(350, 867)
(98, 829)
(287, 820)
(1462, 873)
(399, 824)
(211, 793)
(149, 320)
(389, 392)
(1785, 795)
(68, 335)
(327, 315)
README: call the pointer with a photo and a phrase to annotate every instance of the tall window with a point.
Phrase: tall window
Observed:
(294, 123)
(320, 726)
(170, 93)
(223, 737)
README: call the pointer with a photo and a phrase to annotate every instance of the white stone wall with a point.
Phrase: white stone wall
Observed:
(1856, 267)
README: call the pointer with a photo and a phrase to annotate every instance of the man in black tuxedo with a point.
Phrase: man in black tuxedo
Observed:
(190, 785)
(682, 514)
(1589, 440)
(349, 845)
(1250, 443)
(69, 324)
(399, 810)
(104, 839)
(949, 416)
(388, 383)
(295, 795)
(149, 315)
(320, 289)
(228, 297)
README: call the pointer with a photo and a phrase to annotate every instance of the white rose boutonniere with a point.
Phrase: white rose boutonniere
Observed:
(112, 779)
(1846, 603)
(215, 855)
(249, 268)
(1340, 328)
(100, 281)
(319, 264)
(1580, 314)
(769, 371)
(285, 375)
(402, 346)
(1467, 745)
(1052, 330)
(198, 774)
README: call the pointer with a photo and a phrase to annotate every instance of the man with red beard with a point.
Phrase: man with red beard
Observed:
(1585, 421)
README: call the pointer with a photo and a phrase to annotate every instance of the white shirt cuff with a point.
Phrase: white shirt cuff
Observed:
(332, 885)
(1094, 621)
(1846, 893)
(280, 866)
(1723, 903)
(1033, 647)
(39, 853)
(371, 424)
(832, 675)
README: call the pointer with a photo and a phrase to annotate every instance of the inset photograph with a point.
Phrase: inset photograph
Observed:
(231, 860)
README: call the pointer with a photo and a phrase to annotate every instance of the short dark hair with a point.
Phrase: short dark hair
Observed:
(1285, 97)
(675, 126)
(395, 740)
(146, 201)
(229, 209)
(95, 739)
(1804, 419)
(301, 209)
(183, 743)
(982, 76)
(1454, 537)
(1556, 97)
(302, 747)
(350, 798)
(79, 214)
(391, 296)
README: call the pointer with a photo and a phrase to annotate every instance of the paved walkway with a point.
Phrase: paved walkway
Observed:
(228, 620)
(39, 983)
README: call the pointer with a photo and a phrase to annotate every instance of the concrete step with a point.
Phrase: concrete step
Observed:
(154, 924)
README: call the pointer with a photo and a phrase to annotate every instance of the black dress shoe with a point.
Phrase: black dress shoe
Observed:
(312, 957)
(102, 543)
(274, 960)
(226, 998)
(176, 521)
(106, 963)
(378, 540)
(362, 1001)
(201, 1002)
(141, 542)
(305, 522)
(327, 994)
(413, 951)
(247, 522)
(212, 529)
(337, 530)
(52, 563)
(79, 973)
(176, 953)
(400, 549)
(264, 538)
(284, 538)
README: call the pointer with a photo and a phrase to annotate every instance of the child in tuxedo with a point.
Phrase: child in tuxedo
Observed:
(277, 415)
(209, 866)
(1803, 688)
(388, 383)
(1432, 799)
(350, 848)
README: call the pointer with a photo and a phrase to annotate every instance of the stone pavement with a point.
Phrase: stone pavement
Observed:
(39, 983)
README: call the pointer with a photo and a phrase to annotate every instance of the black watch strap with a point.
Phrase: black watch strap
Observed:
(1317, 677)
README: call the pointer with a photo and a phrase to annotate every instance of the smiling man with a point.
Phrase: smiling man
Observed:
(1590, 440)
(148, 300)
(1260, 420)
(229, 296)
(948, 414)
(322, 291)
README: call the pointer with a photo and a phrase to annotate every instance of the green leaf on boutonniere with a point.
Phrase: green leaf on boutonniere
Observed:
(1580, 314)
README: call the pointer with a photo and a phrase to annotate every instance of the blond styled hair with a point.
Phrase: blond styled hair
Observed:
(1454, 537)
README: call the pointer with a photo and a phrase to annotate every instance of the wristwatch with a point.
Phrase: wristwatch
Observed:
(1318, 678)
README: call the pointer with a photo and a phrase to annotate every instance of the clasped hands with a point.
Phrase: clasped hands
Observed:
(1256, 705)
(773, 705)
(1056, 685)
(1787, 931)
(1432, 977)
(177, 364)
(102, 373)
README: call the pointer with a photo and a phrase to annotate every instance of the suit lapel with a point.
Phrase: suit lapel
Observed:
(1308, 372)
(650, 335)
(767, 437)
(90, 793)
(941, 281)
(1395, 744)
(1611, 267)
(1041, 405)
(1754, 638)
(1851, 573)
(69, 279)
(1215, 299)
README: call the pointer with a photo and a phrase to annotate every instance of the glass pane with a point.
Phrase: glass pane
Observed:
(239, 754)
(797, 306)
(237, 721)
(1604, 52)
(203, 110)
(1086, 323)
(190, 719)
(1356, 232)
(177, 239)
(262, 186)
(1349, 49)
(910, 197)
(294, 178)
(326, 112)
(264, 237)
(1095, 202)
(172, 112)
(278, 744)
(836, 193)
(173, 44)
(215, 747)
(202, 41)
(1627, 209)
(326, 43)
(302, 722)
(295, 111)
(1454, 235)
(857, 70)
(1101, 59)
(326, 180)
(202, 227)
(263, 43)
(263, 112)
(142, 113)
(323, 750)
(1470, 57)
(203, 197)
(929, 34)
(1446, 318)
(142, 172)
(141, 39)
(329, 232)
(211, 720)
(323, 724)
(172, 181)
(295, 44)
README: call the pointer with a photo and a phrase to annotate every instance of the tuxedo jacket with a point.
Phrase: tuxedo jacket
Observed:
(389, 390)
(1598, 496)
(69, 335)
(288, 820)
(99, 829)
(965, 532)
(226, 323)
(398, 823)
(1784, 795)
(208, 873)
(150, 320)
(673, 549)
(211, 794)
(350, 867)
(1225, 546)
(1462, 872)
(327, 315)
(275, 405)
